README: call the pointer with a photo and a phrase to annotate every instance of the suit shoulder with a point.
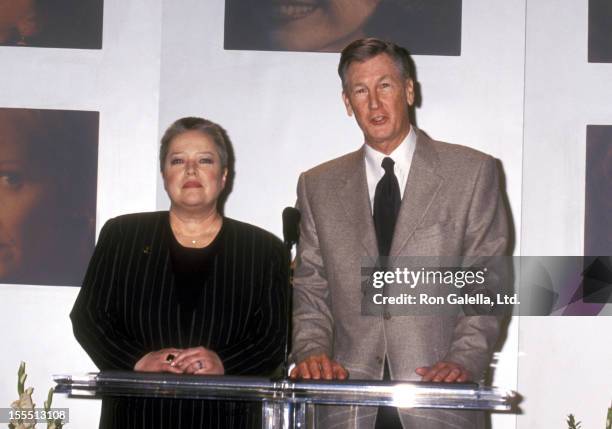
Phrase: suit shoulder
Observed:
(131, 221)
(450, 152)
(453, 161)
(144, 217)
(461, 163)
(246, 231)
(334, 167)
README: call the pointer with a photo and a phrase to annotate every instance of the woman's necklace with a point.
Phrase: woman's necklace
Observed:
(202, 238)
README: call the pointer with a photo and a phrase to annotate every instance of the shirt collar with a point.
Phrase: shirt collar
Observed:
(401, 155)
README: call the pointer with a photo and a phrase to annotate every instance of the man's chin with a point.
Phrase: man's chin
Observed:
(380, 143)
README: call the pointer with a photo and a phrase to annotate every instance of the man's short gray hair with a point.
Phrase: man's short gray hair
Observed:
(364, 49)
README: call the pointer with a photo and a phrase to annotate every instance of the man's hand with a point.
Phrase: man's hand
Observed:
(158, 361)
(318, 367)
(198, 360)
(447, 372)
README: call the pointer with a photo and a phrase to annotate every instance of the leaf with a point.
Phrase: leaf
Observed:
(572, 423)
(21, 378)
(49, 399)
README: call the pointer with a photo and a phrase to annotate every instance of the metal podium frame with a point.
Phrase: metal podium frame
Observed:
(287, 404)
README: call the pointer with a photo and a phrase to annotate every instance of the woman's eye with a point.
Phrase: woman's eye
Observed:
(176, 161)
(206, 161)
(11, 180)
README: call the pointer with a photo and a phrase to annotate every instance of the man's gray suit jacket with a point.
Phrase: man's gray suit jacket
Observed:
(451, 206)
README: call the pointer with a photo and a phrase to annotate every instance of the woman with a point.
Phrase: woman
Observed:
(186, 291)
(46, 216)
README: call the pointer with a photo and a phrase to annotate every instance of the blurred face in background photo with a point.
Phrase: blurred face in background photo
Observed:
(318, 25)
(19, 21)
(48, 193)
(27, 198)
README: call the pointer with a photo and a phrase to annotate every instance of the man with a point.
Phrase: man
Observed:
(401, 193)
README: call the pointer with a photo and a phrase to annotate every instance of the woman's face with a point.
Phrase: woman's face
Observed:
(319, 25)
(193, 177)
(26, 199)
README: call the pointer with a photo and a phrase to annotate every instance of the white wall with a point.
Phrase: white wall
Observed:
(121, 81)
(521, 91)
(564, 366)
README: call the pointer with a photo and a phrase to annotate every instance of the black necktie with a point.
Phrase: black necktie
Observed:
(387, 201)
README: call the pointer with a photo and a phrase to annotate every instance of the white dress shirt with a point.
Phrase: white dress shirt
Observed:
(402, 156)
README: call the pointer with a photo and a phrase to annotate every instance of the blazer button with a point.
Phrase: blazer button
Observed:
(386, 315)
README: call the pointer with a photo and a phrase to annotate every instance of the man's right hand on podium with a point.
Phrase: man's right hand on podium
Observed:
(319, 367)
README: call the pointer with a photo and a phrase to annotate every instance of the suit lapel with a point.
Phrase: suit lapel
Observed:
(422, 186)
(353, 194)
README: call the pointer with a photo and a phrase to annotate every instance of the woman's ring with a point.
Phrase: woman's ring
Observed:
(170, 357)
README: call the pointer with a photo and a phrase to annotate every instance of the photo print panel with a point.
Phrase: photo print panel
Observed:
(598, 192)
(597, 285)
(51, 23)
(600, 31)
(48, 192)
(424, 27)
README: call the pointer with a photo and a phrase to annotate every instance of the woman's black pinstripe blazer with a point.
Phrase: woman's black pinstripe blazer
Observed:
(128, 307)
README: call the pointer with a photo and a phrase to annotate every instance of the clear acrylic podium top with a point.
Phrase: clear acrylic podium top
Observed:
(348, 392)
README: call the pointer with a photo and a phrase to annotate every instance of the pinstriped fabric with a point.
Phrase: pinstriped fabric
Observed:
(128, 307)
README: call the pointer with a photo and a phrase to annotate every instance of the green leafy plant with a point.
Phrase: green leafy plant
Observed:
(26, 403)
(572, 423)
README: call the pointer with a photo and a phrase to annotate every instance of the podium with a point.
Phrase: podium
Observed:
(286, 404)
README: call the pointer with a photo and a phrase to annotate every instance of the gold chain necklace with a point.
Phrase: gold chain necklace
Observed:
(196, 240)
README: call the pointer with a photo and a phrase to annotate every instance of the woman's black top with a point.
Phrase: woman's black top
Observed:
(143, 292)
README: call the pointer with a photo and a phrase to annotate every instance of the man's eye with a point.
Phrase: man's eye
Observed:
(206, 161)
(11, 180)
(176, 161)
(385, 85)
(360, 91)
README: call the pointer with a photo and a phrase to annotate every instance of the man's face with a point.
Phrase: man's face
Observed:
(379, 97)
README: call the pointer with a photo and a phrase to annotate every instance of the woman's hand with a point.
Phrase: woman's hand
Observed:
(198, 360)
(159, 361)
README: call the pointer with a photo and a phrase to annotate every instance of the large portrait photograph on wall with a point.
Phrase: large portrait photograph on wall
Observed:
(598, 192)
(424, 27)
(597, 287)
(48, 184)
(51, 23)
(600, 31)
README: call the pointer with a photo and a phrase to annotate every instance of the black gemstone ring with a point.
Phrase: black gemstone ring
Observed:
(170, 357)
